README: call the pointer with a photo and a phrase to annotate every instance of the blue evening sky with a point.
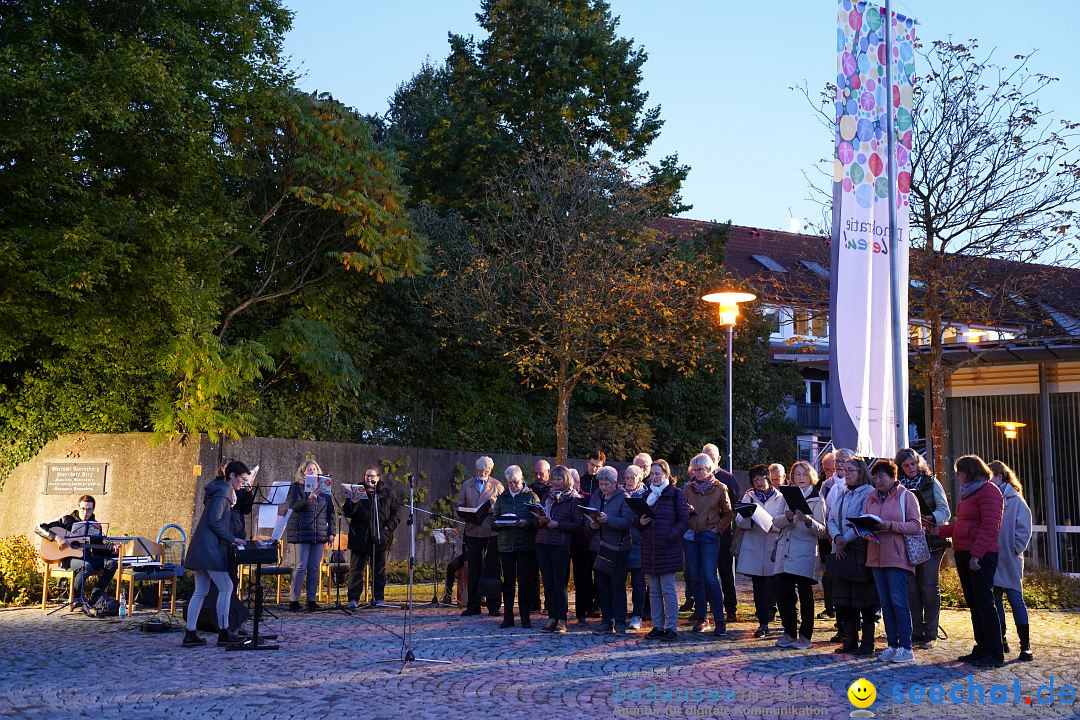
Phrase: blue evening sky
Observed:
(720, 70)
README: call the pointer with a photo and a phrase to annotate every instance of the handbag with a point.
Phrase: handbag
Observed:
(605, 558)
(916, 547)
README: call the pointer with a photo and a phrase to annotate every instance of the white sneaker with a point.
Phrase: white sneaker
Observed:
(887, 654)
(802, 644)
(634, 624)
(785, 641)
(903, 655)
(353, 604)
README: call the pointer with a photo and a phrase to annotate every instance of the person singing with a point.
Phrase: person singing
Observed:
(309, 530)
(373, 516)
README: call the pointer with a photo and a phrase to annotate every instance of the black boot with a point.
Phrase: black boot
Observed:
(866, 647)
(226, 638)
(975, 655)
(508, 620)
(851, 638)
(191, 639)
(525, 621)
(1024, 631)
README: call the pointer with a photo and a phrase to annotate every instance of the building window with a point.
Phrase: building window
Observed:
(819, 324)
(815, 267)
(802, 323)
(772, 319)
(769, 264)
(815, 392)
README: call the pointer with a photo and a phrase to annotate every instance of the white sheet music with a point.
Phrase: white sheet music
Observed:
(268, 516)
(762, 518)
(278, 494)
(282, 523)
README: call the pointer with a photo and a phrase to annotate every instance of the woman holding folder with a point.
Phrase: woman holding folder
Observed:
(608, 521)
(854, 592)
(516, 526)
(801, 525)
(561, 518)
(757, 547)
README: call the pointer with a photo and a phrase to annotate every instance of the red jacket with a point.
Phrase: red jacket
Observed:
(977, 522)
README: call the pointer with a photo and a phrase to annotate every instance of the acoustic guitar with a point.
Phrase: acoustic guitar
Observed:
(51, 551)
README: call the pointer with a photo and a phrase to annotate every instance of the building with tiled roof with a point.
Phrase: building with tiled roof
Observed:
(1015, 359)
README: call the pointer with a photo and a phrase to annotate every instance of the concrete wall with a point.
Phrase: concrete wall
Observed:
(148, 486)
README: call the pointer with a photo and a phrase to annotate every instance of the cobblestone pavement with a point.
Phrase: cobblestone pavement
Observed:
(333, 665)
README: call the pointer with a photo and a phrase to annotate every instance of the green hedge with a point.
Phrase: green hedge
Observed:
(1042, 589)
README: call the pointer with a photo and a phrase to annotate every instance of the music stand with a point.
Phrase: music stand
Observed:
(335, 547)
(447, 538)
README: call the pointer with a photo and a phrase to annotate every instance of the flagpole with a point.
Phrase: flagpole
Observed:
(899, 324)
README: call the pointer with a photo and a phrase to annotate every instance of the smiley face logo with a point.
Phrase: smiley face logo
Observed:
(862, 693)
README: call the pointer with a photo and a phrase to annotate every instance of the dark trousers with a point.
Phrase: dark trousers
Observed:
(824, 548)
(924, 597)
(518, 568)
(725, 566)
(764, 598)
(584, 589)
(639, 595)
(611, 590)
(83, 570)
(788, 588)
(532, 601)
(554, 562)
(482, 560)
(451, 571)
(359, 560)
(978, 590)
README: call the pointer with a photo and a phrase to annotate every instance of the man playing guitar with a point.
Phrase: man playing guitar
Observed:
(99, 559)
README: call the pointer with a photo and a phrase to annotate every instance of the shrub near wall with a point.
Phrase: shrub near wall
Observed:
(20, 581)
(1042, 589)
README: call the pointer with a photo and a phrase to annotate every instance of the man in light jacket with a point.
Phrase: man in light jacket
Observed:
(481, 541)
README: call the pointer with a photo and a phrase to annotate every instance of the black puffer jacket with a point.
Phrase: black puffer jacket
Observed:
(311, 522)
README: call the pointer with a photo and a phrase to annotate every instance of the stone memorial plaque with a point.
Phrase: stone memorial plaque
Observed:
(75, 479)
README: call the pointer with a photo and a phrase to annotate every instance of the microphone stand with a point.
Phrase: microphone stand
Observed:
(335, 547)
(375, 536)
(407, 654)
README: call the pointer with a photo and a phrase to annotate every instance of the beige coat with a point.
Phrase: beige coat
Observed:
(797, 550)
(757, 546)
(470, 497)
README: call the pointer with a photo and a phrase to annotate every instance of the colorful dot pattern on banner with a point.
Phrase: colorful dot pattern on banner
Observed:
(862, 100)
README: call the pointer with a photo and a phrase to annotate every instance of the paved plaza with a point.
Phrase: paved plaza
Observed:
(329, 666)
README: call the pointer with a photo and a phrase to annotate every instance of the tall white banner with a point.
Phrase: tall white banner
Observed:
(860, 317)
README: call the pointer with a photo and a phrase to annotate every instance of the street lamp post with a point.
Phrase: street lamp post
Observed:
(728, 312)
